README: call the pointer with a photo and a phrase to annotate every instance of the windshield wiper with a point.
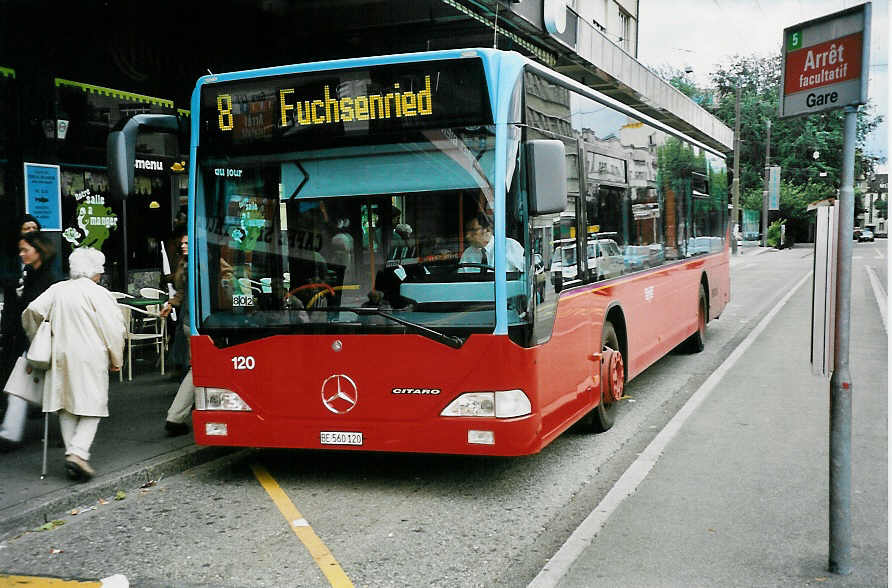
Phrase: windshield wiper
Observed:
(450, 340)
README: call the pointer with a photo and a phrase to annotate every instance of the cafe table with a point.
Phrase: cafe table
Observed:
(142, 303)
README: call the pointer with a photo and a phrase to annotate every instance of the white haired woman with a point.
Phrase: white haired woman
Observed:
(88, 341)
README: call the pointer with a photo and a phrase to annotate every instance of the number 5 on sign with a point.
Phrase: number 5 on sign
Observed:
(795, 40)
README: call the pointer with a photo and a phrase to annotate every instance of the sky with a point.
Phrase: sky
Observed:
(704, 33)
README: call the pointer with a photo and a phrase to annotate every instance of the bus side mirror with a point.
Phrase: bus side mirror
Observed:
(121, 149)
(546, 170)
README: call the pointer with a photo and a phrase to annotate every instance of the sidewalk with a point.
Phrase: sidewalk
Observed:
(130, 449)
(739, 497)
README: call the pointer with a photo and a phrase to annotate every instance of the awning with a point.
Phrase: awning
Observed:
(128, 96)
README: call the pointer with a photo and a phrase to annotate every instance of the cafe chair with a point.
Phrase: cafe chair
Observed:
(152, 293)
(138, 336)
(154, 308)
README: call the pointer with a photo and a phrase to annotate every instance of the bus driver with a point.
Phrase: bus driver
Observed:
(478, 232)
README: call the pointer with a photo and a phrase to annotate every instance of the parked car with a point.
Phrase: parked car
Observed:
(638, 257)
(866, 235)
(605, 260)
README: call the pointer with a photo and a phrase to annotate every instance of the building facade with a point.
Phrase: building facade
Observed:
(63, 87)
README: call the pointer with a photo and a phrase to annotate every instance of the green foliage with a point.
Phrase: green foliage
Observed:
(685, 83)
(794, 140)
(751, 199)
(859, 202)
(794, 201)
(774, 233)
(676, 162)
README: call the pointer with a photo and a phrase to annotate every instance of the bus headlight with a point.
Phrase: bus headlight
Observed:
(207, 398)
(501, 404)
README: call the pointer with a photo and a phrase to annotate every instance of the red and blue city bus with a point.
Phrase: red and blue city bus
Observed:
(455, 252)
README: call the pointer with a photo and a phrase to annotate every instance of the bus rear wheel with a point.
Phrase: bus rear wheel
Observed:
(696, 342)
(613, 379)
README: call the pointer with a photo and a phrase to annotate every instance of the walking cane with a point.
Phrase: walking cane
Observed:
(46, 434)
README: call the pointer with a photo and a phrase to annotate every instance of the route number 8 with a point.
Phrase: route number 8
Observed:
(224, 107)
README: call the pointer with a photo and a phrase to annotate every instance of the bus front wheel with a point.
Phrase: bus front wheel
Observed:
(613, 378)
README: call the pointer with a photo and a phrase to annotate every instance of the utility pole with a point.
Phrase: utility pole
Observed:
(765, 192)
(735, 186)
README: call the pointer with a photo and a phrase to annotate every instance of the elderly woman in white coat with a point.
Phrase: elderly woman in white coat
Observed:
(88, 341)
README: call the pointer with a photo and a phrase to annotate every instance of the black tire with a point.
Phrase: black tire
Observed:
(696, 342)
(604, 415)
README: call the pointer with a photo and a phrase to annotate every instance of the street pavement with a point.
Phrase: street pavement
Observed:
(131, 448)
(738, 497)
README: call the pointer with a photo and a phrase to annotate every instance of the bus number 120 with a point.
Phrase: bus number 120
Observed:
(243, 362)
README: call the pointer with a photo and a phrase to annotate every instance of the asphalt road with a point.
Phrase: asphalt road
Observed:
(391, 519)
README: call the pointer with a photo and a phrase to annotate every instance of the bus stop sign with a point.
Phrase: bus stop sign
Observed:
(826, 62)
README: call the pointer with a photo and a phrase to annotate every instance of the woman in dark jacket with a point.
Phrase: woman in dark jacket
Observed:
(9, 317)
(36, 251)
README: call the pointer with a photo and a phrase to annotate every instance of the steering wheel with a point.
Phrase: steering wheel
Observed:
(477, 265)
(325, 289)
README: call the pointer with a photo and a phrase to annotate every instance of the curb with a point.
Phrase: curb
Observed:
(13, 520)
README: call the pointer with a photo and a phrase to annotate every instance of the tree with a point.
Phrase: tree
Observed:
(793, 140)
(794, 201)
(685, 83)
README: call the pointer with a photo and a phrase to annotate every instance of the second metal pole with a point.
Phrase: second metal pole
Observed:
(765, 193)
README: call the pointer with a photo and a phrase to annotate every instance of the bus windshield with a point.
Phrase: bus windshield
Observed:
(308, 241)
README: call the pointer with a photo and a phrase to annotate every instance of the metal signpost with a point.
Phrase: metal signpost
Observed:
(825, 67)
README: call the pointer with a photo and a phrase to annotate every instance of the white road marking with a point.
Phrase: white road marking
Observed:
(582, 537)
(879, 294)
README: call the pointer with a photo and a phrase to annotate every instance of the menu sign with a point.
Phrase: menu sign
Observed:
(826, 62)
(43, 195)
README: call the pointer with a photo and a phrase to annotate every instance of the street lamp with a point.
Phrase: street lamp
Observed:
(55, 129)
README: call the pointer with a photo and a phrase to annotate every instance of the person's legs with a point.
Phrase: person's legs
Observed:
(78, 433)
(13, 427)
(181, 407)
(187, 336)
(84, 433)
(67, 424)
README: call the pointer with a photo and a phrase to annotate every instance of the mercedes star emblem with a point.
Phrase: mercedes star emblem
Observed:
(339, 393)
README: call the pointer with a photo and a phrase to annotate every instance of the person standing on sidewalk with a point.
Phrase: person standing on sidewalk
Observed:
(177, 357)
(36, 251)
(88, 340)
(181, 407)
(11, 318)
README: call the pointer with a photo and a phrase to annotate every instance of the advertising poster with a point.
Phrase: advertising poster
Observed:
(43, 195)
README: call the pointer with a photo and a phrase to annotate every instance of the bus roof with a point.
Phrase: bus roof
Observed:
(492, 58)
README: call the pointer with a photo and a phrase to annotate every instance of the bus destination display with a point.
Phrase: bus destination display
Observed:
(344, 103)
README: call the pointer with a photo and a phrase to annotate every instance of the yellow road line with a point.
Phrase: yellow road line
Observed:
(6, 580)
(323, 557)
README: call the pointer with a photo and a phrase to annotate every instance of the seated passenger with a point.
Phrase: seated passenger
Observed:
(478, 233)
